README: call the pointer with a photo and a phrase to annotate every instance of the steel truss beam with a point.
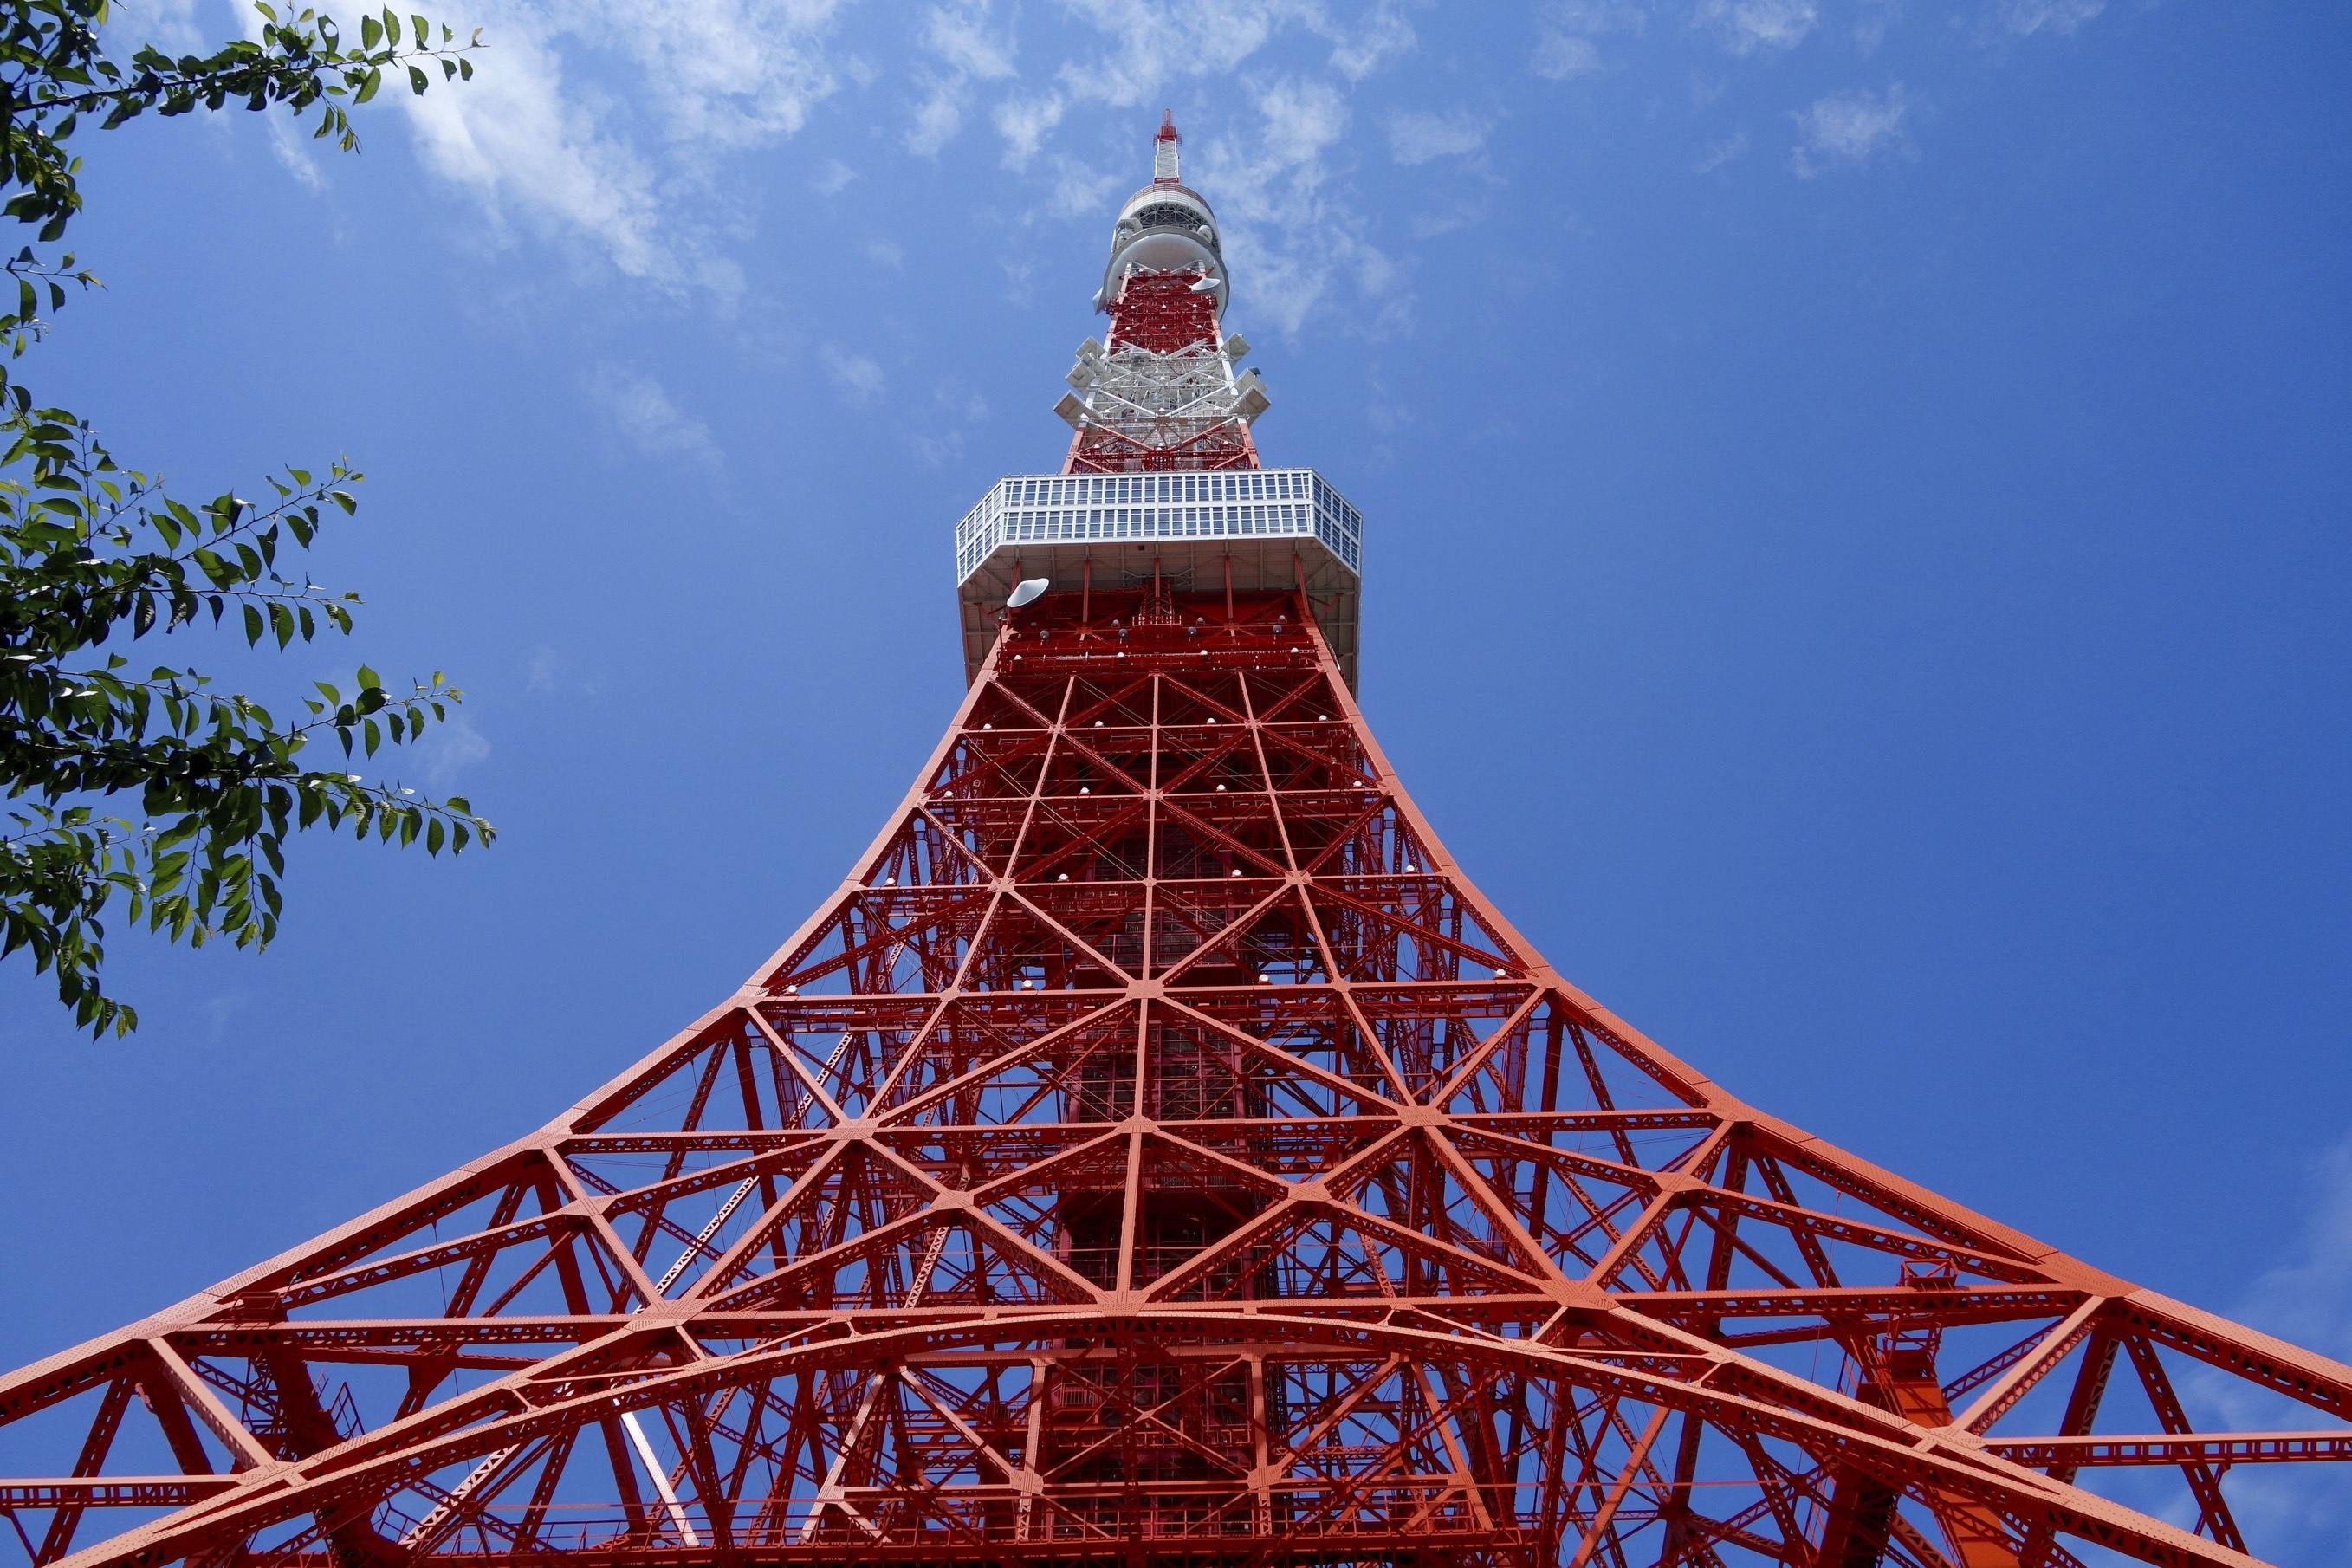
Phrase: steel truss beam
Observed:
(1157, 1151)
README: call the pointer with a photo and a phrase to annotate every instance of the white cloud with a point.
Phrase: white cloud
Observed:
(1152, 44)
(644, 415)
(937, 119)
(532, 144)
(2304, 1517)
(172, 24)
(218, 1011)
(290, 145)
(1381, 35)
(958, 38)
(2026, 17)
(730, 73)
(1418, 138)
(1289, 234)
(1563, 56)
(2310, 1299)
(833, 178)
(1851, 130)
(859, 378)
(449, 748)
(1871, 25)
(1079, 188)
(545, 671)
(1744, 26)
(940, 437)
(959, 35)
(513, 138)
(1565, 32)
(1733, 147)
(885, 253)
(1023, 124)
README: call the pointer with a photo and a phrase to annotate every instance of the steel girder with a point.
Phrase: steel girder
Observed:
(1157, 1152)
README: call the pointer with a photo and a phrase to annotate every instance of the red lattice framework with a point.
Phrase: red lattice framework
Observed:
(1164, 314)
(1157, 1152)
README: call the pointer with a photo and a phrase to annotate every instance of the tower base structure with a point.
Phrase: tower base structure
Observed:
(1157, 1152)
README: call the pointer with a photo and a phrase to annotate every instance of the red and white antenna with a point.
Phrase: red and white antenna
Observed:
(1164, 393)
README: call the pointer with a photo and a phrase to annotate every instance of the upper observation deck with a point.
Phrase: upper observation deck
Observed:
(1253, 530)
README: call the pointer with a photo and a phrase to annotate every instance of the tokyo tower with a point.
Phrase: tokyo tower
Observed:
(1158, 1152)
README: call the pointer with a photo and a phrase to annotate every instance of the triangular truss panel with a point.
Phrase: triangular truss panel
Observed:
(1160, 1152)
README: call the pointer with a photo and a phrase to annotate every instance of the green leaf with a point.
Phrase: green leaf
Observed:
(370, 33)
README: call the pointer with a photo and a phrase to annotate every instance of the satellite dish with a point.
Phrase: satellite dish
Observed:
(1203, 285)
(1028, 593)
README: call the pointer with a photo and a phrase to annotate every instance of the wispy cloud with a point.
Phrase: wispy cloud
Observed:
(291, 147)
(2304, 1517)
(1287, 229)
(543, 672)
(172, 24)
(1024, 123)
(857, 378)
(627, 177)
(1419, 138)
(2026, 17)
(964, 49)
(644, 415)
(449, 748)
(1568, 34)
(1148, 44)
(1146, 48)
(1079, 189)
(547, 672)
(1729, 149)
(938, 435)
(1378, 34)
(1873, 22)
(1851, 130)
(1744, 26)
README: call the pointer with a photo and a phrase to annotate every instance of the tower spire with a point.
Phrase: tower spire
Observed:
(1164, 393)
(1163, 157)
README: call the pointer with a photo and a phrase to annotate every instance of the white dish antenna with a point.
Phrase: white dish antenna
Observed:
(1028, 593)
(1203, 285)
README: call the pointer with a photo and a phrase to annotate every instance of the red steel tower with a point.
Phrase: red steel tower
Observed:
(1157, 1152)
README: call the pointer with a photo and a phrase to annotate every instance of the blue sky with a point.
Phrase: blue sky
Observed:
(1857, 564)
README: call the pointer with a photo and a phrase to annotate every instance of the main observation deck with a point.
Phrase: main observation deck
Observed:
(1251, 529)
